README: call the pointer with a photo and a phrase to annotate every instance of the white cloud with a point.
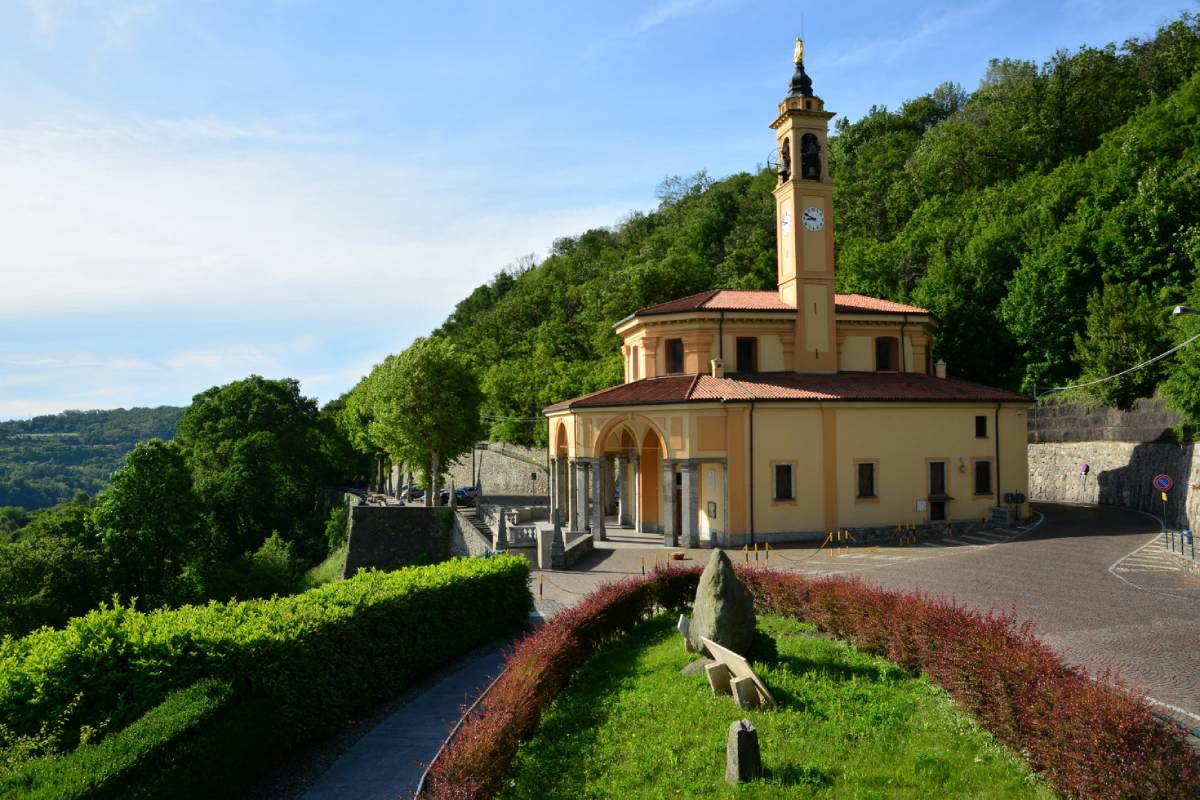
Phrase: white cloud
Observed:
(927, 29)
(233, 359)
(116, 22)
(669, 10)
(96, 219)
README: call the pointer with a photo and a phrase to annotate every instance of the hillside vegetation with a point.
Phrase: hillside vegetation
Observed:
(1050, 218)
(49, 459)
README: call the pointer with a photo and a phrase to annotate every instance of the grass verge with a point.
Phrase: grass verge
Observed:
(329, 570)
(848, 725)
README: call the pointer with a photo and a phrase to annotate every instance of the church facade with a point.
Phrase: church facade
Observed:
(753, 416)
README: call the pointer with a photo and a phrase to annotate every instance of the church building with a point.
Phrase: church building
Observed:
(760, 416)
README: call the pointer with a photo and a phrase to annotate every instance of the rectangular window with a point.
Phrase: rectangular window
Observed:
(937, 479)
(981, 427)
(747, 354)
(674, 355)
(784, 488)
(983, 477)
(887, 354)
(865, 479)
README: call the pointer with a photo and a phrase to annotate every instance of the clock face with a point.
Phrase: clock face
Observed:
(787, 221)
(814, 218)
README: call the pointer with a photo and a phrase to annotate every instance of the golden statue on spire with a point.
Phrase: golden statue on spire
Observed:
(798, 55)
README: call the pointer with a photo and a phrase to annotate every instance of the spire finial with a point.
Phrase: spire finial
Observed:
(801, 85)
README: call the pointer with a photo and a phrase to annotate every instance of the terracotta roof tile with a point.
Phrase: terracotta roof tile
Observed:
(860, 303)
(792, 386)
(738, 300)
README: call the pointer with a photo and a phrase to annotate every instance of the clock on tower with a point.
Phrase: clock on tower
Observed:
(805, 196)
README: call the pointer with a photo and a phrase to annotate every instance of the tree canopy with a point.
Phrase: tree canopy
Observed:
(420, 407)
(1000, 209)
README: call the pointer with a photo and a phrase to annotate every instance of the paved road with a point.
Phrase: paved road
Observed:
(1091, 579)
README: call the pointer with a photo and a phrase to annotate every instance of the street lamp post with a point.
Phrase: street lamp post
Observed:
(1182, 310)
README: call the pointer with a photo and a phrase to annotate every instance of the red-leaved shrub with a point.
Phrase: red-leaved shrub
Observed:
(1089, 738)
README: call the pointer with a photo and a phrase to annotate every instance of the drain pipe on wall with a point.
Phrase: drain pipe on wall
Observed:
(752, 471)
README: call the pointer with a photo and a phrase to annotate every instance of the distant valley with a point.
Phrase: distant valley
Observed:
(49, 459)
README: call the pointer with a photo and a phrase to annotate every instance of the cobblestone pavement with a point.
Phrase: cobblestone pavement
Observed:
(1093, 580)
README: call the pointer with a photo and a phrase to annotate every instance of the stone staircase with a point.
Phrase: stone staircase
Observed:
(478, 523)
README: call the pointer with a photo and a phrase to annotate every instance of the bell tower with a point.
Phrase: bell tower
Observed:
(804, 215)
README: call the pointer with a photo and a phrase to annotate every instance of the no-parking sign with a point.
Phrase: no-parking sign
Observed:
(1163, 483)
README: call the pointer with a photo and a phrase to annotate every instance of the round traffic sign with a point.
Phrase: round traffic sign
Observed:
(1163, 483)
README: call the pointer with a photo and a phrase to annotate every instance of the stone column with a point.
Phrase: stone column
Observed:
(598, 500)
(552, 494)
(564, 489)
(579, 518)
(636, 492)
(622, 466)
(690, 497)
(668, 490)
(572, 500)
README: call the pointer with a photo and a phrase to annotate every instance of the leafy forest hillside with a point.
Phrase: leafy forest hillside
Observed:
(1050, 218)
(49, 459)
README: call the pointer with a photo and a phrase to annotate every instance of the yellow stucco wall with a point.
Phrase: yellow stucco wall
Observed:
(856, 354)
(788, 434)
(823, 443)
(902, 439)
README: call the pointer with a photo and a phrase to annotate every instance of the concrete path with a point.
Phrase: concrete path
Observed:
(387, 763)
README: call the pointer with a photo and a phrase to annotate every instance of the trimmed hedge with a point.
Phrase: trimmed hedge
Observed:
(193, 744)
(1088, 738)
(307, 661)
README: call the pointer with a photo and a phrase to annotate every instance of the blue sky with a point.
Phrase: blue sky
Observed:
(192, 191)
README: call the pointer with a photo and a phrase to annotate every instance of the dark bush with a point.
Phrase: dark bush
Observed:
(192, 745)
(311, 659)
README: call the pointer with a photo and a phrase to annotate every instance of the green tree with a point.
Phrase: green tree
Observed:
(255, 447)
(46, 581)
(149, 524)
(425, 406)
(1123, 330)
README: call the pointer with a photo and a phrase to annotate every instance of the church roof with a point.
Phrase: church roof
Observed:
(791, 386)
(739, 300)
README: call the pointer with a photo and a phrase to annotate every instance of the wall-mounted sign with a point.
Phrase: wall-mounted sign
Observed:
(712, 509)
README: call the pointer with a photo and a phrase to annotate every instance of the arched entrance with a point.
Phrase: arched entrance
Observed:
(650, 494)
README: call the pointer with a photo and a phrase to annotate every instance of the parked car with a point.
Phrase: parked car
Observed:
(417, 491)
(464, 496)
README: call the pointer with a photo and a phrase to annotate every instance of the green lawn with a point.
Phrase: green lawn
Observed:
(848, 725)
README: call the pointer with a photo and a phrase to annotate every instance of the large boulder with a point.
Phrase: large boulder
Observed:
(724, 609)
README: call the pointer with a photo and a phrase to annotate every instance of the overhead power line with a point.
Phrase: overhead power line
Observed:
(1142, 365)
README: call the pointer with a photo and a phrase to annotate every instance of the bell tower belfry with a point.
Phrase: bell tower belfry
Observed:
(804, 215)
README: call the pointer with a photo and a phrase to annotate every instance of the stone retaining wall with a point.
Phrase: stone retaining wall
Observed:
(1119, 474)
(391, 537)
(1149, 421)
(500, 474)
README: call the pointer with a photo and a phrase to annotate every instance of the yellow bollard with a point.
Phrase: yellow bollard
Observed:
(643, 560)
(756, 552)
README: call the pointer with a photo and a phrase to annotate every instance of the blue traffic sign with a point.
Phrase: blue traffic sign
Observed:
(1163, 483)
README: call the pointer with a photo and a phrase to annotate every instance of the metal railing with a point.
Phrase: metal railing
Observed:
(1181, 543)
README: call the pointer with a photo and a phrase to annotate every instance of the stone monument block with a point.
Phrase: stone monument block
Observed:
(743, 760)
(724, 608)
